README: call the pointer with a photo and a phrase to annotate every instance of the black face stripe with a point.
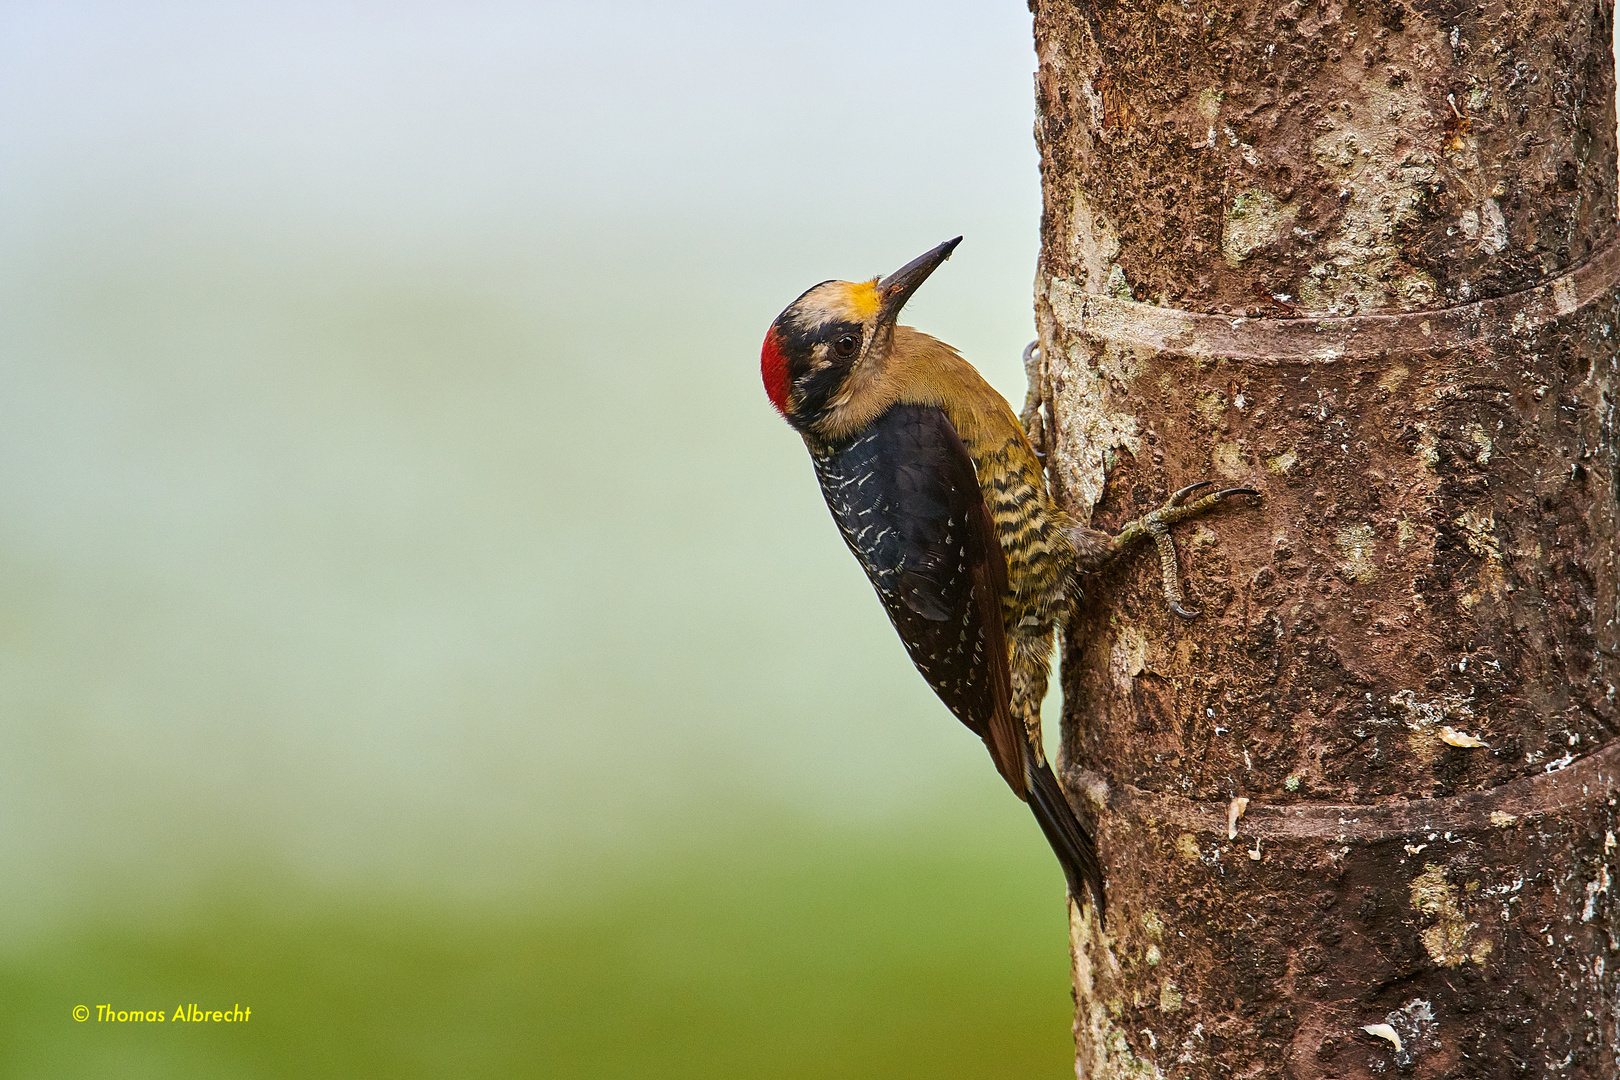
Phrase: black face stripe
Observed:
(801, 340)
(815, 390)
(814, 386)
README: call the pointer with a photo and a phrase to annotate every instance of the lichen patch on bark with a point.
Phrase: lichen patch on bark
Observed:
(1107, 428)
(1255, 219)
(1355, 544)
(1447, 937)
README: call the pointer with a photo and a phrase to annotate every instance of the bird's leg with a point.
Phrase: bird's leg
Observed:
(1097, 550)
(1031, 669)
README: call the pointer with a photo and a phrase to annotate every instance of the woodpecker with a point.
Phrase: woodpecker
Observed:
(937, 491)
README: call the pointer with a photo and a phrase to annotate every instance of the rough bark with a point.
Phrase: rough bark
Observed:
(1363, 257)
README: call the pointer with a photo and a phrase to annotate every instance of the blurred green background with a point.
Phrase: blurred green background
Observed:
(416, 626)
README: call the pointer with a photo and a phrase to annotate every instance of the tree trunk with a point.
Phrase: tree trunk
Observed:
(1361, 256)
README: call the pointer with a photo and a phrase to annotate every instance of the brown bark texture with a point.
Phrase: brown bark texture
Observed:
(1362, 256)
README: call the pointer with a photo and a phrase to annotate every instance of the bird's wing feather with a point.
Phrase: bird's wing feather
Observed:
(906, 499)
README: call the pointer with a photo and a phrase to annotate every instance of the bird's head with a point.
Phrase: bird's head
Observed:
(836, 339)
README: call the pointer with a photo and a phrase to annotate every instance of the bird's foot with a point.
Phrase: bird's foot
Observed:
(1157, 525)
(1033, 417)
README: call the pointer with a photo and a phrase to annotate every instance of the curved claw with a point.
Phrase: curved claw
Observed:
(1176, 499)
(1156, 525)
(1029, 351)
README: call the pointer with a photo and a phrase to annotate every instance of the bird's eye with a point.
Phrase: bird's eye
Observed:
(844, 347)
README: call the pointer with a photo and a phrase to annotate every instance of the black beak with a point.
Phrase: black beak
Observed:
(897, 288)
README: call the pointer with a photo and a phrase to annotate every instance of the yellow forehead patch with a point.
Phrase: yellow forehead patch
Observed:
(850, 301)
(864, 299)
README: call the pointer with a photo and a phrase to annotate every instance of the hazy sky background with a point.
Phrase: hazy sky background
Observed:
(387, 493)
(404, 126)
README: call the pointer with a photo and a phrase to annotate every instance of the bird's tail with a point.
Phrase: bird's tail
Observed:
(1075, 847)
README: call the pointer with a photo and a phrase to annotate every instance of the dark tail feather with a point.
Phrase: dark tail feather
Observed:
(1075, 848)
